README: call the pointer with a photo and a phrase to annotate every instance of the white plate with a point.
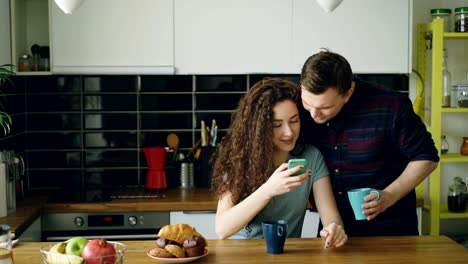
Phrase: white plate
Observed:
(177, 260)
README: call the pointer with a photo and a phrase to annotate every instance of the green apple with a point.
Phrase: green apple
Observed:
(75, 246)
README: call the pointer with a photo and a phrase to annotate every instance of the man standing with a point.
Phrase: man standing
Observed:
(369, 137)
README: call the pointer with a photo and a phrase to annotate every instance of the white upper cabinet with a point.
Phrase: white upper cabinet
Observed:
(114, 36)
(374, 35)
(224, 36)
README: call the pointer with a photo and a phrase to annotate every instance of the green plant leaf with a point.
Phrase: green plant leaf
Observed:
(6, 70)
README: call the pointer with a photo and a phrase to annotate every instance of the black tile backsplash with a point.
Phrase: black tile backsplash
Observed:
(111, 121)
(110, 158)
(173, 83)
(54, 140)
(53, 102)
(54, 159)
(54, 121)
(111, 83)
(114, 102)
(13, 102)
(166, 121)
(84, 132)
(166, 102)
(111, 140)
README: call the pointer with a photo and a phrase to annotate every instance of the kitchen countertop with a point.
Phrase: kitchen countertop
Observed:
(410, 249)
(27, 212)
(176, 200)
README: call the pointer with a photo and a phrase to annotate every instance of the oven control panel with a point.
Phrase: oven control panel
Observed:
(103, 221)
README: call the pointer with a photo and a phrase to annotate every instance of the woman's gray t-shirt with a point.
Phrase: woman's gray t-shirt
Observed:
(290, 206)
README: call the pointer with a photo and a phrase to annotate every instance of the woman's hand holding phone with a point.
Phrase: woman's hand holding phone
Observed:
(292, 163)
(281, 182)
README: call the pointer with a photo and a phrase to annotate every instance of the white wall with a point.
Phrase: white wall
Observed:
(5, 40)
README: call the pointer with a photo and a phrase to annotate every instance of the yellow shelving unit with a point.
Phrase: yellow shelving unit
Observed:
(433, 115)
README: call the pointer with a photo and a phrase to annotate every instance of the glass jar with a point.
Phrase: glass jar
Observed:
(463, 99)
(442, 13)
(24, 63)
(461, 19)
(446, 82)
(459, 97)
(444, 146)
(456, 198)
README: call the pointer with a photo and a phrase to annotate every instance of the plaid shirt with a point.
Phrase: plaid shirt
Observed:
(369, 144)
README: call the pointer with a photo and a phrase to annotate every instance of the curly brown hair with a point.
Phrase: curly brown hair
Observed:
(244, 159)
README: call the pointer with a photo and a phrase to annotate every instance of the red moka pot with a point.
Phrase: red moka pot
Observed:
(156, 160)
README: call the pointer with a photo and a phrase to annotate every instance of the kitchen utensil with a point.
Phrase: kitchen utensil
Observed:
(172, 141)
(156, 174)
(7, 157)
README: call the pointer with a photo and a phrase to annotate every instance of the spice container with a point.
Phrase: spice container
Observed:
(444, 146)
(459, 97)
(461, 19)
(442, 13)
(24, 63)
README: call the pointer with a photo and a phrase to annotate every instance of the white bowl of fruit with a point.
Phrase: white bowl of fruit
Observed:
(79, 250)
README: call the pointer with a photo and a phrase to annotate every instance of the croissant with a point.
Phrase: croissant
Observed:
(179, 233)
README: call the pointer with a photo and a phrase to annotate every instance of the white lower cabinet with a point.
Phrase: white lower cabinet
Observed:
(311, 222)
(203, 221)
(32, 233)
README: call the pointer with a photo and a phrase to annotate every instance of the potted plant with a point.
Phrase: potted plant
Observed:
(6, 70)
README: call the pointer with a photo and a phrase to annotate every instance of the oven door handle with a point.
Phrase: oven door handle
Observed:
(108, 237)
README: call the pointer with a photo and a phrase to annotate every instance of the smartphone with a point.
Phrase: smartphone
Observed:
(296, 162)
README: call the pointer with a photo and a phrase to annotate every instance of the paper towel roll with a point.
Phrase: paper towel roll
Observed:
(3, 192)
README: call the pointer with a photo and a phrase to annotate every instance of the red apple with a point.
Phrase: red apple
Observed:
(98, 251)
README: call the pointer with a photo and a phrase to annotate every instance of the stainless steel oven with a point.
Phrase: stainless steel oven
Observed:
(112, 226)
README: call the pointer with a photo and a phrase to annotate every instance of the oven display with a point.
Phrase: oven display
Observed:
(105, 220)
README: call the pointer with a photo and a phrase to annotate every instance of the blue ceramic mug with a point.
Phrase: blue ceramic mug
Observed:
(275, 233)
(356, 198)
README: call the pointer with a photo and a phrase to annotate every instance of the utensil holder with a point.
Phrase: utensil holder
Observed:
(203, 179)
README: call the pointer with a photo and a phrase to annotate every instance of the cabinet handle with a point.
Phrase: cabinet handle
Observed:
(199, 212)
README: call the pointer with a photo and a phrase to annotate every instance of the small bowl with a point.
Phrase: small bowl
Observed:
(56, 258)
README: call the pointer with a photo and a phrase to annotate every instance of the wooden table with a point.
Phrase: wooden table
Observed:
(423, 249)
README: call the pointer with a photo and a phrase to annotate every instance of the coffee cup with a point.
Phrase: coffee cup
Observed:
(5, 234)
(356, 198)
(275, 233)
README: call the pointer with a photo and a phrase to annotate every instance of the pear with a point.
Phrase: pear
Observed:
(58, 248)
(58, 256)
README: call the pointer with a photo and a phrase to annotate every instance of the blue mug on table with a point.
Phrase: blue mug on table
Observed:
(356, 198)
(275, 233)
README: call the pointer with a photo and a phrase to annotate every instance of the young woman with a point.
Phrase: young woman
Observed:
(251, 176)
